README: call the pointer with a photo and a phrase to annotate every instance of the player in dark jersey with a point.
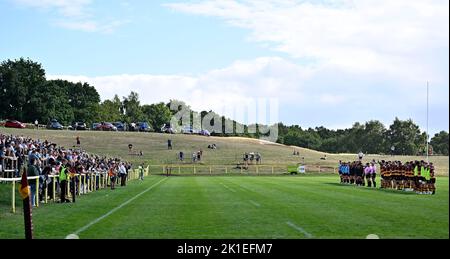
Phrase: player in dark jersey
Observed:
(352, 173)
(432, 179)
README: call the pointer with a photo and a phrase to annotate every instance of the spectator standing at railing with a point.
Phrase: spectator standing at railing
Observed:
(32, 154)
(20, 161)
(10, 155)
(112, 174)
(127, 167)
(43, 181)
(2, 156)
(33, 170)
(123, 174)
(73, 182)
(63, 178)
(141, 172)
(80, 176)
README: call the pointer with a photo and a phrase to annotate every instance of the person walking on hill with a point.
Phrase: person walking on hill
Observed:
(181, 156)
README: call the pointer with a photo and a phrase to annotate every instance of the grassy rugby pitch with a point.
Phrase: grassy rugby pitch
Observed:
(298, 207)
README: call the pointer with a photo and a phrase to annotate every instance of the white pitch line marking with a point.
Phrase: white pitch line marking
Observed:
(228, 188)
(255, 203)
(72, 236)
(292, 225)
(372, 236)
(116, 208)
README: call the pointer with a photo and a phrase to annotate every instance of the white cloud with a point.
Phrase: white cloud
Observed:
(332, 100)
(73, 15)
(91, 26)
(364, 36)
(307, 96)
(66, 8)
(231, 86)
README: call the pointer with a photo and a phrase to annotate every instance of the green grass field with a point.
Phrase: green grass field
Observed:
(186, 207)
(240, 207)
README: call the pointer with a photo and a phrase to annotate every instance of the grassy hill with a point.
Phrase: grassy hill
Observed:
(230, 150)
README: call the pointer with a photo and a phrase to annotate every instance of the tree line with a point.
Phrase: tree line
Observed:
(26, 95)
(402, 137)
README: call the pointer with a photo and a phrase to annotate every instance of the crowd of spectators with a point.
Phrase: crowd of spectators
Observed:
(73, 166)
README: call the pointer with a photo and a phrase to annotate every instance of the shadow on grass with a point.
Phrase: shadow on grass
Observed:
(372, 189)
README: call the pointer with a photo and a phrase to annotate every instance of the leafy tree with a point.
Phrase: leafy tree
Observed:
(292, 138)
(440, 143)
(355, 138)
(54, 103)
(157, 115)
(110, 110)
(373, 139)
(20, 81)
(405, 136)
(132, 108)
(84, 100)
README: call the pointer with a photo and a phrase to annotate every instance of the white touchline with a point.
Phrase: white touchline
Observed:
(255, 203)
(231, 190)
(308, 235)
(116, 208)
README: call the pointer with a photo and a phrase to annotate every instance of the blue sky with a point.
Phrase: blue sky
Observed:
(150, 39)
(330, 62)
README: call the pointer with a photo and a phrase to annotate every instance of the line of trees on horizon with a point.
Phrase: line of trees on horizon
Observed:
(26, 95)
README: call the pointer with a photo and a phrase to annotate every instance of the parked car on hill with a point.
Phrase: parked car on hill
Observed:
(189, 130)
(166, 128)
(78, 126)
(106, 126)
(54, 125)
(143, 127)
(204, 133)
(119, 125)
(14, 124)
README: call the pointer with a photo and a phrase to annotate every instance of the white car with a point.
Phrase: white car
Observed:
(168, 129)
